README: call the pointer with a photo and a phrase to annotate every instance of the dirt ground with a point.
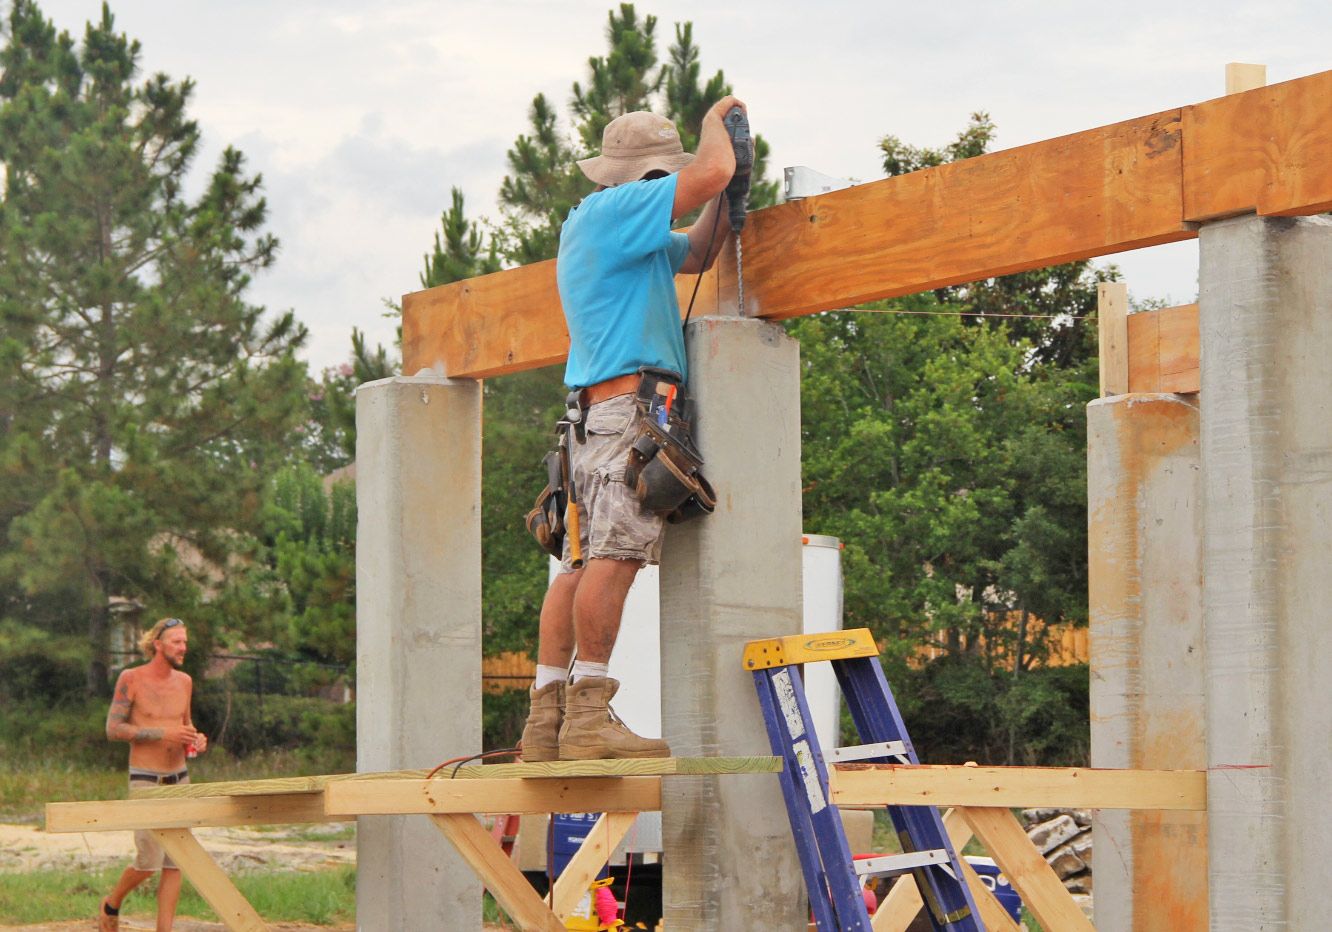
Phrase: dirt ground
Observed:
(26, 848)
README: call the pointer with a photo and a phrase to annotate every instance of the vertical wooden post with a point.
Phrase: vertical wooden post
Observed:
(1112, 327)
(1241, 77)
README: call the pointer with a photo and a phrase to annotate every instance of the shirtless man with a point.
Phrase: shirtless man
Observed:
(151, 710)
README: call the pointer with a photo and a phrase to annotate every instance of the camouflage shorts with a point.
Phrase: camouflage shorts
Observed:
(149, 855)
(612, 524)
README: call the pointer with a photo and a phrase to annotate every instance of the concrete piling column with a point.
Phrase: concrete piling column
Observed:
(1147, 679)
(729, 859)
(1265, 312)
(418, 634)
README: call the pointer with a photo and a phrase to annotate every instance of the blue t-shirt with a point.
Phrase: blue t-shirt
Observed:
(616, 274)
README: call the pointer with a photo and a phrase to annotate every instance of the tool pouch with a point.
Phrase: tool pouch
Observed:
(664, 467)
(545, 521)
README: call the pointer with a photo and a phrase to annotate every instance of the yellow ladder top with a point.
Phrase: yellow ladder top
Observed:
(807, 648)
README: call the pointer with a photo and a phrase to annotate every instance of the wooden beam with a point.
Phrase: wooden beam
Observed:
(497, 871)
(591, 856)
(1267, 150)
(115, 815)
(661, 766)
(1163, 350)
(1133, 184)
(1112, 330)
(903, 902)
(577, 794)
(210, 880)
(1073, 787)
(1035, 880)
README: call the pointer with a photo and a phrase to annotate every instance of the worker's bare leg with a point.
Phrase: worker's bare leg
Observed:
(168, 895)
(556, 643)
(589, 732)
(129, 879)
(598, 604)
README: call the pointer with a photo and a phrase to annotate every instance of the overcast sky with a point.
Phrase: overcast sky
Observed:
(361, 116)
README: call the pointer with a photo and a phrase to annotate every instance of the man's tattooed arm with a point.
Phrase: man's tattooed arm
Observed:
(118, 727)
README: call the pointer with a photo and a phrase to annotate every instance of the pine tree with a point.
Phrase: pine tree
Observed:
(142, 396)
(544, 182)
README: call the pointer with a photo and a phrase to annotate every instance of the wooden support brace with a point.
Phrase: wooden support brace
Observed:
(1035, 880)
(592, 854)
(209, 879)
(903, 902)
(497, 871)
(1073, 787)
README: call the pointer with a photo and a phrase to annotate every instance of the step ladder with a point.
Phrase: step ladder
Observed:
(832, 878)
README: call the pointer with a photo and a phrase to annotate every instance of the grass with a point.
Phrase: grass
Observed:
(316, 897)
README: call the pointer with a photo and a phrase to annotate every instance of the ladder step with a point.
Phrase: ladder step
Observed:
(900, 863)
(868, 751)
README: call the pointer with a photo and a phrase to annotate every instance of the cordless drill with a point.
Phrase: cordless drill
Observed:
(737, 191)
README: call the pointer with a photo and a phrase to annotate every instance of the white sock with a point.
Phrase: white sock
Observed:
(546, 674)
(582, 668)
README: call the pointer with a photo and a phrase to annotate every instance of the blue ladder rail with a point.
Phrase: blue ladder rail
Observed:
(832, 878)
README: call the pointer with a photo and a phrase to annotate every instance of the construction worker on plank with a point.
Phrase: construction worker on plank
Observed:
(151, 710)
(616, 267)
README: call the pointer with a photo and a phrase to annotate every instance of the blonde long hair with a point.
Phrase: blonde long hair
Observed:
(153, 634)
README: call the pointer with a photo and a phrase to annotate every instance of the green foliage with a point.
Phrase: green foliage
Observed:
(142, 397)
(34, 666)
(958, 711)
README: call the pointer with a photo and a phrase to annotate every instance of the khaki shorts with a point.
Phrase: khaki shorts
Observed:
(611, 522)
(148, 854)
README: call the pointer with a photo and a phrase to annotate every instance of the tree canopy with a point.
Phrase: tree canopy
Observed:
(142, 396)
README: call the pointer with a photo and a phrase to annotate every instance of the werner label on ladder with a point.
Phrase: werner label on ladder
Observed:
(832, 878)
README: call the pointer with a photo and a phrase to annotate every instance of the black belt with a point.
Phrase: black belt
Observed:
(161, 779)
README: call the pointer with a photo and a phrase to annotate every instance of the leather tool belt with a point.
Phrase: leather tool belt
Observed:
(664, 467)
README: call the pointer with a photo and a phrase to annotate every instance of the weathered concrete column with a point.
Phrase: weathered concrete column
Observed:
(1144, 541)
(729, 860)
(1265, 310)
(418, 634)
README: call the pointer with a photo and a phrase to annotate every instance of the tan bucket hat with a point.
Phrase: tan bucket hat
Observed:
(633, 145)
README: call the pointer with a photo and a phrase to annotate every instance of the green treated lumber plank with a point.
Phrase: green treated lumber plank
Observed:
(660, 766)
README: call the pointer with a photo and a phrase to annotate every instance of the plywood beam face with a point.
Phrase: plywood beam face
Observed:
(1072, 787)
(1268, 150)
(1163, 350)
(1094, 193)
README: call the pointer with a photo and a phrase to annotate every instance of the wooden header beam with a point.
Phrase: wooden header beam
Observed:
(1132, 184)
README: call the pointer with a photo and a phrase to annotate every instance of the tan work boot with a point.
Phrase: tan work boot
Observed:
(592, 730)
(541, 734)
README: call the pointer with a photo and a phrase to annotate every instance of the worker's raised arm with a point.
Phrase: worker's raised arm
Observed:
(713, 165)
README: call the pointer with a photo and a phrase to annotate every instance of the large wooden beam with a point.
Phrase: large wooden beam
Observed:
(1133, 184)
(114, 815)
(578, 794)
(1073, 787)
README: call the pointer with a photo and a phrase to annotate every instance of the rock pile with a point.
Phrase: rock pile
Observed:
(1064, 838)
